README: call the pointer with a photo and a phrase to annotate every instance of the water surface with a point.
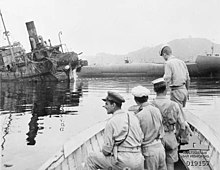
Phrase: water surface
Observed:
(37, 118)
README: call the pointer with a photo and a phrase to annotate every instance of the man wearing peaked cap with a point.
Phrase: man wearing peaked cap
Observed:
(113, 96)
(176, 75)
(151, 124)
(164, 47)
(122, 139)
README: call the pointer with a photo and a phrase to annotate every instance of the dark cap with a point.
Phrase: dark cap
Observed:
(162, 49)
(113, 96)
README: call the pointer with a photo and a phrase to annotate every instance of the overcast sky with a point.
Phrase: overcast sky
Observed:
(111, 26)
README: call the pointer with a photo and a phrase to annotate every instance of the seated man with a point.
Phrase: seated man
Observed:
(122, 139)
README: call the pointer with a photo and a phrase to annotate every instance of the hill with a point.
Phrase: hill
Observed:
(185, 49)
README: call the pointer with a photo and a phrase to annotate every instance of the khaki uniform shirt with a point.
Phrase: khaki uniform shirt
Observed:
(151, 123)
(176, 72)
(116, 130)
(163, 102)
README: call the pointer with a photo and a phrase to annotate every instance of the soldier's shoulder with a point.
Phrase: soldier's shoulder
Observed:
(153, 107)
(175, 104)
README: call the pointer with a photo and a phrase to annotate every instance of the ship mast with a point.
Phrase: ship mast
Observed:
(6, 34)
(212, 48)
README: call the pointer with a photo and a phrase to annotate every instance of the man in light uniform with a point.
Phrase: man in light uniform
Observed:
(122, 139)
(152, 127)
(172, 116)
(176, 75)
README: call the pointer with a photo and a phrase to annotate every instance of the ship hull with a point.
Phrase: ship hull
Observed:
(43, 63)
(122, 70)
(33, 77)
(47, 69)
(36, 77)
(208, 66)
(204, 66)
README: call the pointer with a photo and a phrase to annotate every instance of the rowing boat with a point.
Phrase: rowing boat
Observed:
(202, 152)
(73, 154)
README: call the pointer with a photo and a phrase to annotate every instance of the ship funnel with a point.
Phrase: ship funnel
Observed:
(32, 32)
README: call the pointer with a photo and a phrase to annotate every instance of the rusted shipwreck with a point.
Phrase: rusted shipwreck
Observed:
(44, 63)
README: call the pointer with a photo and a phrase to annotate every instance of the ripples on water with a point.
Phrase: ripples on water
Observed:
(37, 118)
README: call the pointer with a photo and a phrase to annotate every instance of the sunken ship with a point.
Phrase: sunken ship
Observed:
(45, 62)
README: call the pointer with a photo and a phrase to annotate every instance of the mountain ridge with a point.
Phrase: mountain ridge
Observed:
(186, 49)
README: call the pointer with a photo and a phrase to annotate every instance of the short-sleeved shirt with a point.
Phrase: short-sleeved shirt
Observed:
(151, 122)
(163, 102)
(176, 72)
(116, 130)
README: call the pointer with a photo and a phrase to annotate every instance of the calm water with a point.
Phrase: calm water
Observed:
(37, 119)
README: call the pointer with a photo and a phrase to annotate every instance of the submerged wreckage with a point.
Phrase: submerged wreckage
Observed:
(43, 63)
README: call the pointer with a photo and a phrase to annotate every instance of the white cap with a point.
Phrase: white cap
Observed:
(159, 80)
(140, 91)
(162, 47)
(67, 67)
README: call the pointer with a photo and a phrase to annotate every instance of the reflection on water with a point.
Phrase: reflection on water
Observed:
(203, 91)
(208, 87)
(45, 115)
(5, 131)
(41, 99)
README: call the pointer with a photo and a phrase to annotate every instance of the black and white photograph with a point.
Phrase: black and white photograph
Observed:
(110, 84)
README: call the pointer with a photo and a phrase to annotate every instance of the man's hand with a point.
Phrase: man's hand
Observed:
(106, 153)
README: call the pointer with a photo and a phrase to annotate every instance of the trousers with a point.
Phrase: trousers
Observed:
(126, 161)
(155, 157)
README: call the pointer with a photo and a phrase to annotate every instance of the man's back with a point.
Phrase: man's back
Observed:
(122, 124)
(166, 105)
(151, 122)
(123, 136)
(152, 148)
(176, 72)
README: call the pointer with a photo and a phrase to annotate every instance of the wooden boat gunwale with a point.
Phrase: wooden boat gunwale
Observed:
(64, 158)
(72, 145)
(207, 136)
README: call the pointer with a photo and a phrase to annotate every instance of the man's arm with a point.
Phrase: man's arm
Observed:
(187, 84)
(181, 119)
(108, 140)
(167, 74)
(187, 78)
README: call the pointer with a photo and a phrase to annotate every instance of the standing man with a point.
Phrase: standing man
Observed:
(176, 75)
(172, 117)
(152, 127)
(122, 139)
